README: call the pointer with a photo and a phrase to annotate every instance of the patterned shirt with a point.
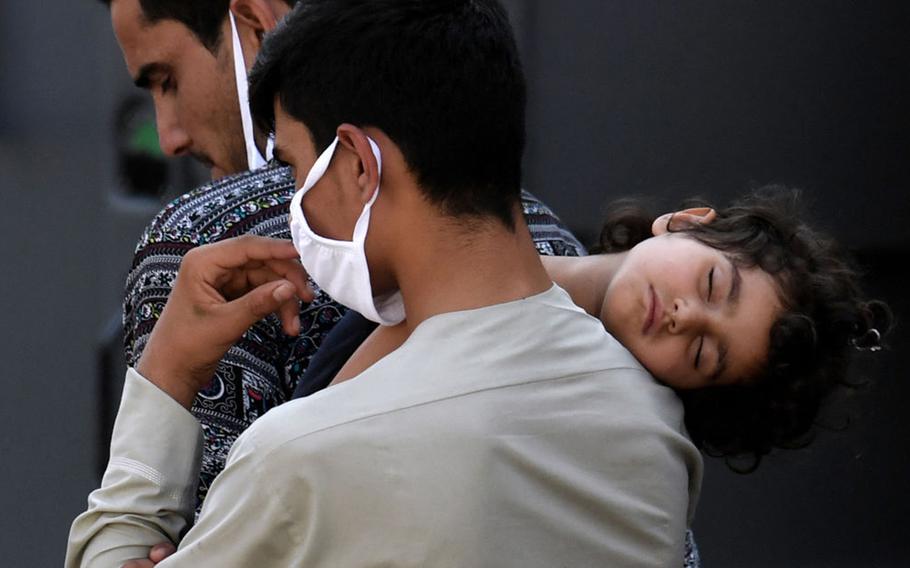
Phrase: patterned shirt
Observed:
(262, 369)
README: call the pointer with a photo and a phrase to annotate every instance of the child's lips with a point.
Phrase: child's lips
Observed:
(649, 313)
(654, 307)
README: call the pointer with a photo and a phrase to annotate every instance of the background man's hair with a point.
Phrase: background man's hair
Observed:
(202, 17)
(441, 78)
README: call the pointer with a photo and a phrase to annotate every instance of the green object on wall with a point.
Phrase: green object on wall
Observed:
(145, 139)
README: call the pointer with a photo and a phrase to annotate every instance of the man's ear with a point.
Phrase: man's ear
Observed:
(357, 141)
(680, 220)
(254, 18)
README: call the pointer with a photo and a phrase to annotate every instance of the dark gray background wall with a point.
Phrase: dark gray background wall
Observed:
(629, 96)
(680, 98)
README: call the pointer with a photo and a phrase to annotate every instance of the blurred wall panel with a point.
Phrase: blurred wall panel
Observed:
(673, 99)
(68, 258)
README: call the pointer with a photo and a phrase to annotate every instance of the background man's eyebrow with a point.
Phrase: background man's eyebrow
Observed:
(144, 77)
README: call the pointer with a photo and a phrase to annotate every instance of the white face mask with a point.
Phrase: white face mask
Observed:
(340, 267)
(254, 159)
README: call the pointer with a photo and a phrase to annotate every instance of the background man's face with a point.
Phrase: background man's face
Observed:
(193, 89)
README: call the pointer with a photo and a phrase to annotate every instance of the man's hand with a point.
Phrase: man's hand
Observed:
(158, 553)
(221, 290)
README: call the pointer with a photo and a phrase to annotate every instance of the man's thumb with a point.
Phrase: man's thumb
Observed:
(283, 292)
(266, 299)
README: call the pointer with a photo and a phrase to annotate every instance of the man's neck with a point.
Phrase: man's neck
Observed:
(452, 267)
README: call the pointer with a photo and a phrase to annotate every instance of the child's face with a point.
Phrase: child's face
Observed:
(690, 316)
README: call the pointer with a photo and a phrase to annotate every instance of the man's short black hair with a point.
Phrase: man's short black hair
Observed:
(441, 78)
(203, 17)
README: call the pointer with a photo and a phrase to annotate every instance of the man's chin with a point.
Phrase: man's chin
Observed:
(215, 171)
(218, 172)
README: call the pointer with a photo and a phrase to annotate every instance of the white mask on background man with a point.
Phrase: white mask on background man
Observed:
(340, 267)
(254, 159)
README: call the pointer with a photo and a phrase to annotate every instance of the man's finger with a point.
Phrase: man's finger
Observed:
(161, 551)
(238, 315)
(239, 251)
(242, 280)
(289, 314)
(139, 564)
(289, 311)
(294, 272)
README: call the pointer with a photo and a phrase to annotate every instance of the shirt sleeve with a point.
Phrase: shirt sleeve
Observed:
(156, 260)
(147, 495)
(550, 235)
(147, 492)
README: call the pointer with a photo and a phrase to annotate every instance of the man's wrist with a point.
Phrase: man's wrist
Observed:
(175, 383)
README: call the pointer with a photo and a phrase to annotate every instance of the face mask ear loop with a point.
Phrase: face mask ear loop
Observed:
(360, 228)
(270, 147)
(254, 159)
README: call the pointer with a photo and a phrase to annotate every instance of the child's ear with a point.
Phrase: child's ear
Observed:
(679, 220)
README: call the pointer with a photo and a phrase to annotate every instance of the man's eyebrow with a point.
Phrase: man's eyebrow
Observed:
(143, 78)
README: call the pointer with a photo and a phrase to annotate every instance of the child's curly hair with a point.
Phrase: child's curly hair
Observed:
(826, 318)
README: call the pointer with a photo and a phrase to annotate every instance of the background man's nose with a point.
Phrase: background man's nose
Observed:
(172, 137)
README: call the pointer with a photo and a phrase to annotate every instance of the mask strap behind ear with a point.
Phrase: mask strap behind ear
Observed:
(254, 159)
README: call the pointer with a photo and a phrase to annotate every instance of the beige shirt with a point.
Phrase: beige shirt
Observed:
(519, 434)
